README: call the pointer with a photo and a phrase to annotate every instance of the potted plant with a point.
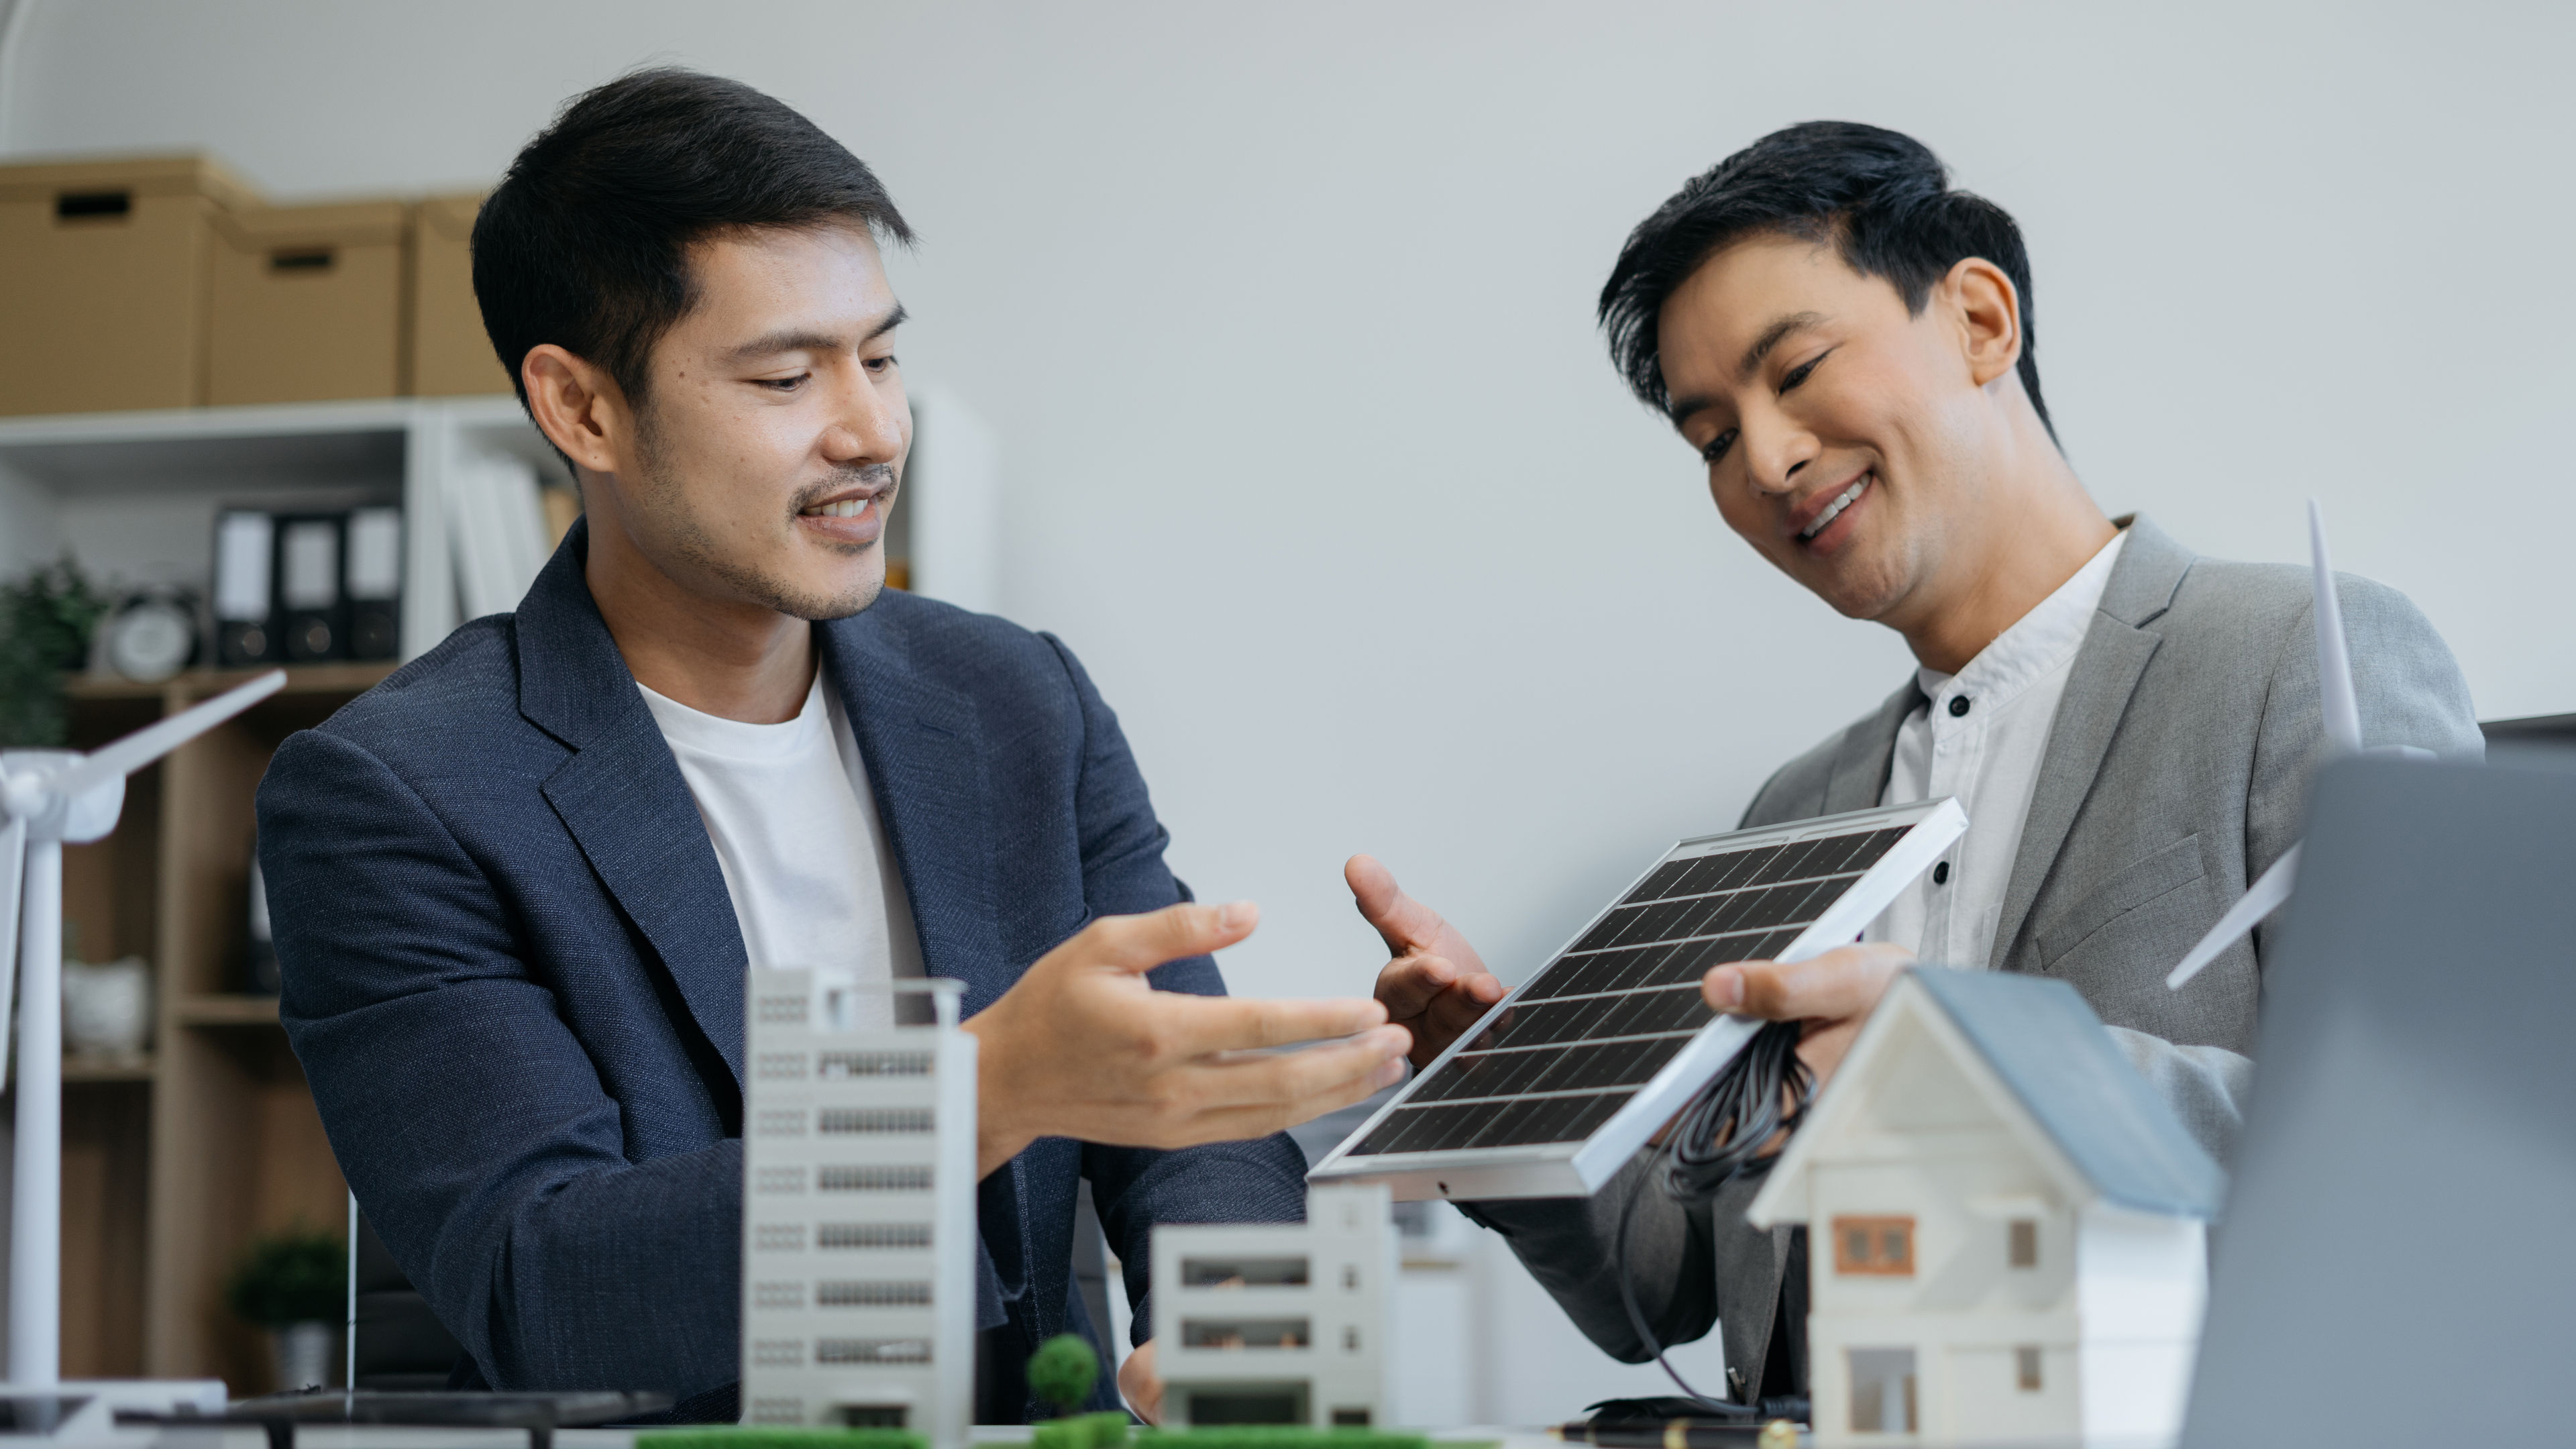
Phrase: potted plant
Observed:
(295, 1284)
(46, 620)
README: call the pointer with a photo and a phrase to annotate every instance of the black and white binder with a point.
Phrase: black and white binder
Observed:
(245, 604)
(308, 586)
(374, 578)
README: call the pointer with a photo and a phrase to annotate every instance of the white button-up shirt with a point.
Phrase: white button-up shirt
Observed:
(1981, 738)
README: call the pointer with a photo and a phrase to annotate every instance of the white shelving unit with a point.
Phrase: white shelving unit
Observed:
(133, 495)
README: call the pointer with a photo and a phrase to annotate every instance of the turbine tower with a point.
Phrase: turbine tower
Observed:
(2342, 710)
(50, 798)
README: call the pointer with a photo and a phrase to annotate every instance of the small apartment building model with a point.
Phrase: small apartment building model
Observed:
(1277, 1323)
(2006, 1226)
(858, 1211)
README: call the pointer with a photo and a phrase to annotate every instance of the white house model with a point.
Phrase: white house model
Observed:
(1277, 1323)
(2006, 1226)
(858, 1211)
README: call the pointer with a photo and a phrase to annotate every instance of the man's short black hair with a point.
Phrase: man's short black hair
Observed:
(585, 242)
(1882, 198)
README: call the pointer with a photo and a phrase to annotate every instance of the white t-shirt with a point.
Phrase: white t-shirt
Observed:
(796, 832)
(1987, 753)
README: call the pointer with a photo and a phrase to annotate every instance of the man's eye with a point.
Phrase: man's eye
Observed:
(783, 384)
(1799, 373)
(1717, 446)
(881, 364)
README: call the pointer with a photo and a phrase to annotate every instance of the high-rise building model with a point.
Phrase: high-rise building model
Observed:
(1277, 1323)
(858, 1221)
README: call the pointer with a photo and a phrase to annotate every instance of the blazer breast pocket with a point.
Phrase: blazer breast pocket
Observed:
(2153, 909)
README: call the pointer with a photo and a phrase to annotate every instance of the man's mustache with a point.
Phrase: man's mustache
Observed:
(877, 477)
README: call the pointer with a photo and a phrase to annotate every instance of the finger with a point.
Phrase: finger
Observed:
(1196, 1026)
(1236, 1124)
(1406, 925)
(1140, 943)
(1410, 983)
(1846, 981)
(1368, 1061)
(1466, 1003)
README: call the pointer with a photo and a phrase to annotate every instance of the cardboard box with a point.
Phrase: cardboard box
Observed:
(451, 354)
(107, 265)
(307, 303)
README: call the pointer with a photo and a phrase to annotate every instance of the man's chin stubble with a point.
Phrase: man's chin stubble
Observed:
(796, 603)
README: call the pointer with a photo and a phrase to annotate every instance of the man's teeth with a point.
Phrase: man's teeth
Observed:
(1834, 509)
(846, 508)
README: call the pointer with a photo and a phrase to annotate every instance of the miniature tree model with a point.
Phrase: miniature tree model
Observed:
(1062, 1372)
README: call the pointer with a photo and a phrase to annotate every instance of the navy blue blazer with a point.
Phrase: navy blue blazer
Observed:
(515, 980)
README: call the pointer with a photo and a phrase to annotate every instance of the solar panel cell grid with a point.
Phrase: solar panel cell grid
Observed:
(1602, 1019)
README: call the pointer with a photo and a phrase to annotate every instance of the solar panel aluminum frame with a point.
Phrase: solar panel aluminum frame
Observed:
(1578, 1169)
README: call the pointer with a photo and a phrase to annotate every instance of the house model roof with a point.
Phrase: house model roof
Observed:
(2053, 1060)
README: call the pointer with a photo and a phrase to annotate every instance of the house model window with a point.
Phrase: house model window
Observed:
(2024, 1249)
(2026, 1367)
(1874, 1247)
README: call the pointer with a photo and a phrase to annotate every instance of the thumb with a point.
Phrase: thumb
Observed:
(1140, 943)
(1406, 925)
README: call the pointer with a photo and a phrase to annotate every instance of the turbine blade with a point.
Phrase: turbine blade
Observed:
(2262, 899)
(132, 753)
(13, 888)
(2334, 665)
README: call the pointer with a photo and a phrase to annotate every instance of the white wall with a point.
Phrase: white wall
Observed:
(1283, 318)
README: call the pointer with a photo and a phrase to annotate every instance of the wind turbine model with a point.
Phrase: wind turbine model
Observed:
(49, 798)
(2342, 710)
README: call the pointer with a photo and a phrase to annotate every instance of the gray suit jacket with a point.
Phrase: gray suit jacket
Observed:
(2176, 773)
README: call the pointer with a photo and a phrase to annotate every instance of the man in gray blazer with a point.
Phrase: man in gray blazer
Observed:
(1846, 341)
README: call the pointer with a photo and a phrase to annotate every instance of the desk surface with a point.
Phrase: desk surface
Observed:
(367, 1436)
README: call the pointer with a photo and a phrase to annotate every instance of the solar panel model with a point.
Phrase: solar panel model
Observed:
(1566, 1077)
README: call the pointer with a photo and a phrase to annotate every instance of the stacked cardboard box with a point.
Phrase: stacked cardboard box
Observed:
(451, 355)
(108, 276)
(307, 303)
(163, 282)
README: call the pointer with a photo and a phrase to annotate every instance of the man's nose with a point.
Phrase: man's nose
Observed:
(1775, 452)
(870, 427)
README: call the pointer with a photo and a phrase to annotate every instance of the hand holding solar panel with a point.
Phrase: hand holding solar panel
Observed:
(1559, 1083)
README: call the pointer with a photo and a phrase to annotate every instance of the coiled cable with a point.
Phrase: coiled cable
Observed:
(1719, 1135)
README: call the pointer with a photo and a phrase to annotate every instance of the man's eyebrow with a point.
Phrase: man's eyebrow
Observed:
(796, 339)
(1680, 409)
(1770, 338)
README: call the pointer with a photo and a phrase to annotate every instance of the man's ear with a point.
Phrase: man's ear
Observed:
(1988, 312)
(579, 408)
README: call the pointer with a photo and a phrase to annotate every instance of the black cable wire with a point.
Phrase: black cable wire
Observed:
(1719, 1135)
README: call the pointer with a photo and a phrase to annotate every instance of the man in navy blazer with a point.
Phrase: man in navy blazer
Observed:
(512, 910)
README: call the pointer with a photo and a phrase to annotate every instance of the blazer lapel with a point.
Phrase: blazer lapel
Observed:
(1859, 776)
(923, 745)
(623, 799)
(2107, 669)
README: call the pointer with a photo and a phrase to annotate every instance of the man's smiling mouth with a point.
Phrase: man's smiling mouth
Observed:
(1834, 510)
(842, 508)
